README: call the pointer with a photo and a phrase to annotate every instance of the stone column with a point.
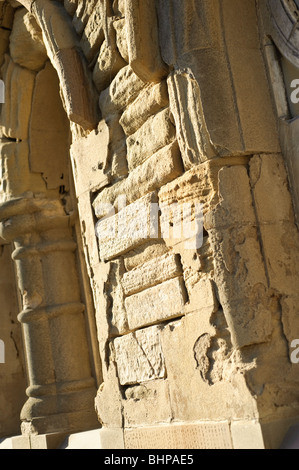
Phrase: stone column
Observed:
(61, 390)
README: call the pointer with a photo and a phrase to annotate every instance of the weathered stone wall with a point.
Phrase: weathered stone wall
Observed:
(169, 104)
(189, 335)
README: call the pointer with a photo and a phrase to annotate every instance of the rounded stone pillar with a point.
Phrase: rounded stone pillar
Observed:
(61, 389)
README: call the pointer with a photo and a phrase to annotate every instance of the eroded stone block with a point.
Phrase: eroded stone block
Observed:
(121, 38)
(144, 253)
(130, 227)
(108, 64)
(93, 35)
(151, 273)
(89, 156)
(26, 44)
(192, 396)
(156, 304)
(139, 356)
(147, 404)
(143, 179)
(156, 132)
(192, 134)
(123, 89)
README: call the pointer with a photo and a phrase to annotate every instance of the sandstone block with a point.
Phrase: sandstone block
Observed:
(89, 156)
(139, 356)
(269, 182)
(240, 272)
(205, 435)
(121, 38)
(108, 64)
(93, 35)
(143, 179)
(144, 253)
(80, 97)
(236, 206)
(198, 185)
(151, 273)
(149, 102)
(192, 134)
(116, 313)
(202, 297)
(131, 227)
(82, 13)
(147, 404)
(247, 67)
(116, 164)
(156, 132)
(156, 304)
(123, 89)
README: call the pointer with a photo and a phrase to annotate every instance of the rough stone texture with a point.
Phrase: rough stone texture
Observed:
(193, 136)
(168, 166)
(156, 132)
(240, 271)
(139, 357)
(123, 89)
(147, 103)
(151, 273)
(130, 227)
(147, 404)
(156, 304)
(144, 253)
(143, 40)
(192, 363)
(89, 156)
